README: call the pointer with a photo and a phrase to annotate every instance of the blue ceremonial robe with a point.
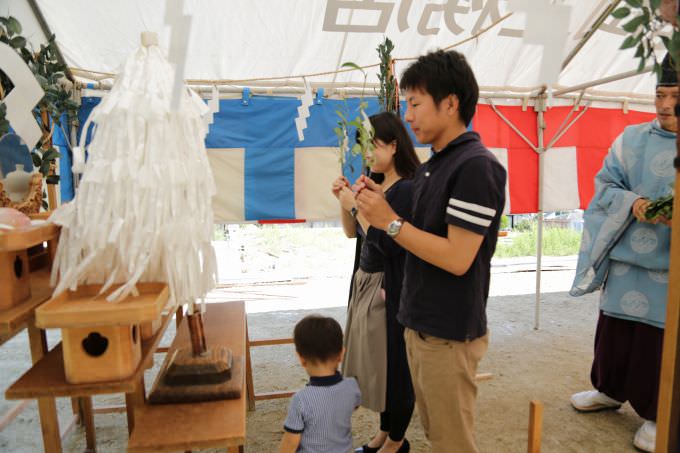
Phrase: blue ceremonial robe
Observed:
(629, 259)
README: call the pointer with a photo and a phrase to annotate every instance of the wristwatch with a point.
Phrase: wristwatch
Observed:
(394, 227)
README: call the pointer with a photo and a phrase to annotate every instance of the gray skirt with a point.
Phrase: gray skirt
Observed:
(366, 340)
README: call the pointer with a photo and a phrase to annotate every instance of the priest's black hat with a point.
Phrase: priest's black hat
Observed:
(668, 76)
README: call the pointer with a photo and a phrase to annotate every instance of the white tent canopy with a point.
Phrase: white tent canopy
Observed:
(275, 45)
(242, 40)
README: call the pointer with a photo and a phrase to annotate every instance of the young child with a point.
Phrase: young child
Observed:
(319, 416)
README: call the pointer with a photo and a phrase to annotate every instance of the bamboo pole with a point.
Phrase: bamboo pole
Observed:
(540, 108)
(47, 144)
(668, 410)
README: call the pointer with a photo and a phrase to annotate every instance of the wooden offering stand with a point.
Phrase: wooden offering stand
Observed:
(101, 339)
(206, 424)
(23, 286)
(46, 380)
(196, 373)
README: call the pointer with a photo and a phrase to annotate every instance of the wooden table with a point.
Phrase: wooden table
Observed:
(15, 319)
(46, 381)
(173, 427)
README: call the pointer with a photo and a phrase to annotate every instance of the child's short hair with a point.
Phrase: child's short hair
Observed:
(442, 73)
(318, 338)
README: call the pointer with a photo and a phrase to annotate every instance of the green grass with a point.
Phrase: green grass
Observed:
(556, 242)
(275, 239)
(322, 243)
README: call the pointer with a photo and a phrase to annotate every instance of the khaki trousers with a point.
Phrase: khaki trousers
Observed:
(443, 373)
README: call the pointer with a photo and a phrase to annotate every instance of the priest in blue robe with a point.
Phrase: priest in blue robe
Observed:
(626, 257)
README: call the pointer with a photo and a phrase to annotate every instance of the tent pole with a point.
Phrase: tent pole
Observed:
(589, 34)
(614, 78)
(540, 108)
(48, 33)
(510, 125)
(560, 132)
(348, 90)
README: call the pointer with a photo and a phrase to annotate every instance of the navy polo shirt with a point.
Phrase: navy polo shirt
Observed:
(461, 185)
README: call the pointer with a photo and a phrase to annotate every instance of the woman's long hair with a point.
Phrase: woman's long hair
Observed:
(389, 128)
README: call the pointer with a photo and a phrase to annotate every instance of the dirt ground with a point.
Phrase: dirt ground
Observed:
(547, 364)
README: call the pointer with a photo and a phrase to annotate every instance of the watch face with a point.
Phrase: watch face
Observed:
(394, 227)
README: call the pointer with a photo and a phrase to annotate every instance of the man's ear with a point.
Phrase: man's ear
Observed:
(452, 104)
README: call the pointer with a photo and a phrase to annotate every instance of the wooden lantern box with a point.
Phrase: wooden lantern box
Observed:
(15, 276)
(102, 340)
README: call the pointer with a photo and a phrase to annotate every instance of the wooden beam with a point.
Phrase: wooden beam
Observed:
(252, 396)
(269, 342)
(250, 389)
(87, 420)
(108, 409)
(273, 395)
(49, 424)
(13, 413)
(668, 411)
(535, 426)
(70, 427)
(134, 401)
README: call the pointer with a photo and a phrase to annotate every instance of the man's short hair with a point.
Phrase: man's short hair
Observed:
(442, 73)
(318, 338)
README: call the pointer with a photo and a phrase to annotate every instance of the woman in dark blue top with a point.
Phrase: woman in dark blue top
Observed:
(376, 353)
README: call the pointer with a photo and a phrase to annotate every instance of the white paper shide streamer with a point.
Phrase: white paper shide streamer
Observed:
(143, 209)
(306, 100)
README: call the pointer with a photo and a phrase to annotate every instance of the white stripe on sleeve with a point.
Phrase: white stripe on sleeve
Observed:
(468, 217)
(472, 207)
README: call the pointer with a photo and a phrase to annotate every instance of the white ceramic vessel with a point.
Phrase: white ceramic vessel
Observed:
(17, 184)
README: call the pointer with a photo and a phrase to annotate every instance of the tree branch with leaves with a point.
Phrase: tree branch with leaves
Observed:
(361, 123)
(647, 27)
(57, 102)
(387, 95)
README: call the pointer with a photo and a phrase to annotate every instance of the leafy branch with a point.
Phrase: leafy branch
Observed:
(387, 95)
(57, 102)
(661, 207)
(646, 30)
(361, 123)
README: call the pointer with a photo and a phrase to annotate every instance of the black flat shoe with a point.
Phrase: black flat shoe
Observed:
(367, 449)
(405, 447)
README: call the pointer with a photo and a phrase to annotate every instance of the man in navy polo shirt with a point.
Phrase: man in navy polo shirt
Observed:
(459, 196)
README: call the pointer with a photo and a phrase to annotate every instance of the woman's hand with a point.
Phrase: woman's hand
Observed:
(337, 186)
